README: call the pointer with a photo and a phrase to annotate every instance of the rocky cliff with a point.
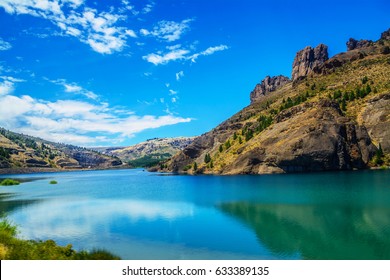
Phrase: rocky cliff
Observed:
(269, 84)
(308, 59)
(353, 44)
(333, 116)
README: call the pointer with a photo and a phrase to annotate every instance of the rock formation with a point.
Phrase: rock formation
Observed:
(353, 44)
(386, 35)
(307, 59)
(267, 85)
(376, 118)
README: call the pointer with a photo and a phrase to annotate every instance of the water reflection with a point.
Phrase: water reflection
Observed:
(318, 231)
(8, 203)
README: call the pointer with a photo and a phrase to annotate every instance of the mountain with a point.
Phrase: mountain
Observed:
(19, 153)
(332, 115)
(148, 153)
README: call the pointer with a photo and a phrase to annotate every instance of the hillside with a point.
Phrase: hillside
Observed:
(148, 153)
(332, 115)
(22, 152)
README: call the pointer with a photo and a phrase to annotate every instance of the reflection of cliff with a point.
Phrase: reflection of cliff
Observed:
(318, 232)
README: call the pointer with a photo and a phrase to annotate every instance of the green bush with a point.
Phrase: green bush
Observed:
(53, 182)
(9, 182)
(12, 248)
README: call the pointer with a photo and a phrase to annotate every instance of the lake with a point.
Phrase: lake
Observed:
(140, 215)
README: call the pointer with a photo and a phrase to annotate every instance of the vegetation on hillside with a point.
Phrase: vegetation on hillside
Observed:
(22, 151)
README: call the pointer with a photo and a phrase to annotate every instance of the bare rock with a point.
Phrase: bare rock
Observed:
(267, 85)
(353, 44)
(307, 59)
(376, 118)
(386, 35)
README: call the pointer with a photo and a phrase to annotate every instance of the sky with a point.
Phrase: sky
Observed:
(119, 72)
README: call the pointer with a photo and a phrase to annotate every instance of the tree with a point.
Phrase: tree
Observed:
(207, 158)
(195, 166)
(227, 144)
(220, 148)
(239, 140)
(234, 136)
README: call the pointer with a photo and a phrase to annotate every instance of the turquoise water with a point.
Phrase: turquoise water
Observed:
(141, 215)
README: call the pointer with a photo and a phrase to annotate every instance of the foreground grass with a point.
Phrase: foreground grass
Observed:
(13, 248)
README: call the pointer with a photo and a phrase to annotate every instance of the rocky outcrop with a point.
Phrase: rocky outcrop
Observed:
(386, 35)
(267, 85)
(353, 44)
(307, 59)
(376, 118)
(309, 137)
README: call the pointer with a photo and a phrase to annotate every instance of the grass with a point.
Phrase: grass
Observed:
(13, 248)
(9, 182)
(53, 182)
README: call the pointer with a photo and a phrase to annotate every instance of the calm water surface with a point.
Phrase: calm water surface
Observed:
(141, 215)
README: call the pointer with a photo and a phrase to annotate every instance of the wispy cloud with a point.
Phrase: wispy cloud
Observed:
(179, 75)
(169, 31)
(158, 58)
(181, 54)
(75, 88)
(4, 46)
(148, 8)
(208, 51)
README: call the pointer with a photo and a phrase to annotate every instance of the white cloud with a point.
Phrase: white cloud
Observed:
(148, 8)
(173, 99)
(169, 31)
(7, 85)
(208, 51)
(179, 75)
(172, 92)
(157, 59)
(75, 122)
(97, 29)
(131, 33)
(181, 54)
(4, 46)
(74, 88)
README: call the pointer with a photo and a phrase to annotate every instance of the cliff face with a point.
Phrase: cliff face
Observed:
(334, 116)
(269, 84)
(310, 137)
(307, 59)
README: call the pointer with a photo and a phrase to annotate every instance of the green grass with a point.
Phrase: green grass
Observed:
(53, 182)
(9, 182)
(13, 248)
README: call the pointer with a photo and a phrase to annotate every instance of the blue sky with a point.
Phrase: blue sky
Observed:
(115, 73)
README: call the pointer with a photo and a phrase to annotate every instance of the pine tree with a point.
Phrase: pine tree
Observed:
(195, 166)
(220, 148)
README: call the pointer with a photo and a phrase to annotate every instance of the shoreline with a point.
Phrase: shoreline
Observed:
(33, 170)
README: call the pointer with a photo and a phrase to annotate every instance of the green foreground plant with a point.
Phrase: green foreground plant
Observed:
(13, 248)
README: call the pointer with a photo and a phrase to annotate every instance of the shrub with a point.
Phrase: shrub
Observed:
(9, 182)
(53, 182)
